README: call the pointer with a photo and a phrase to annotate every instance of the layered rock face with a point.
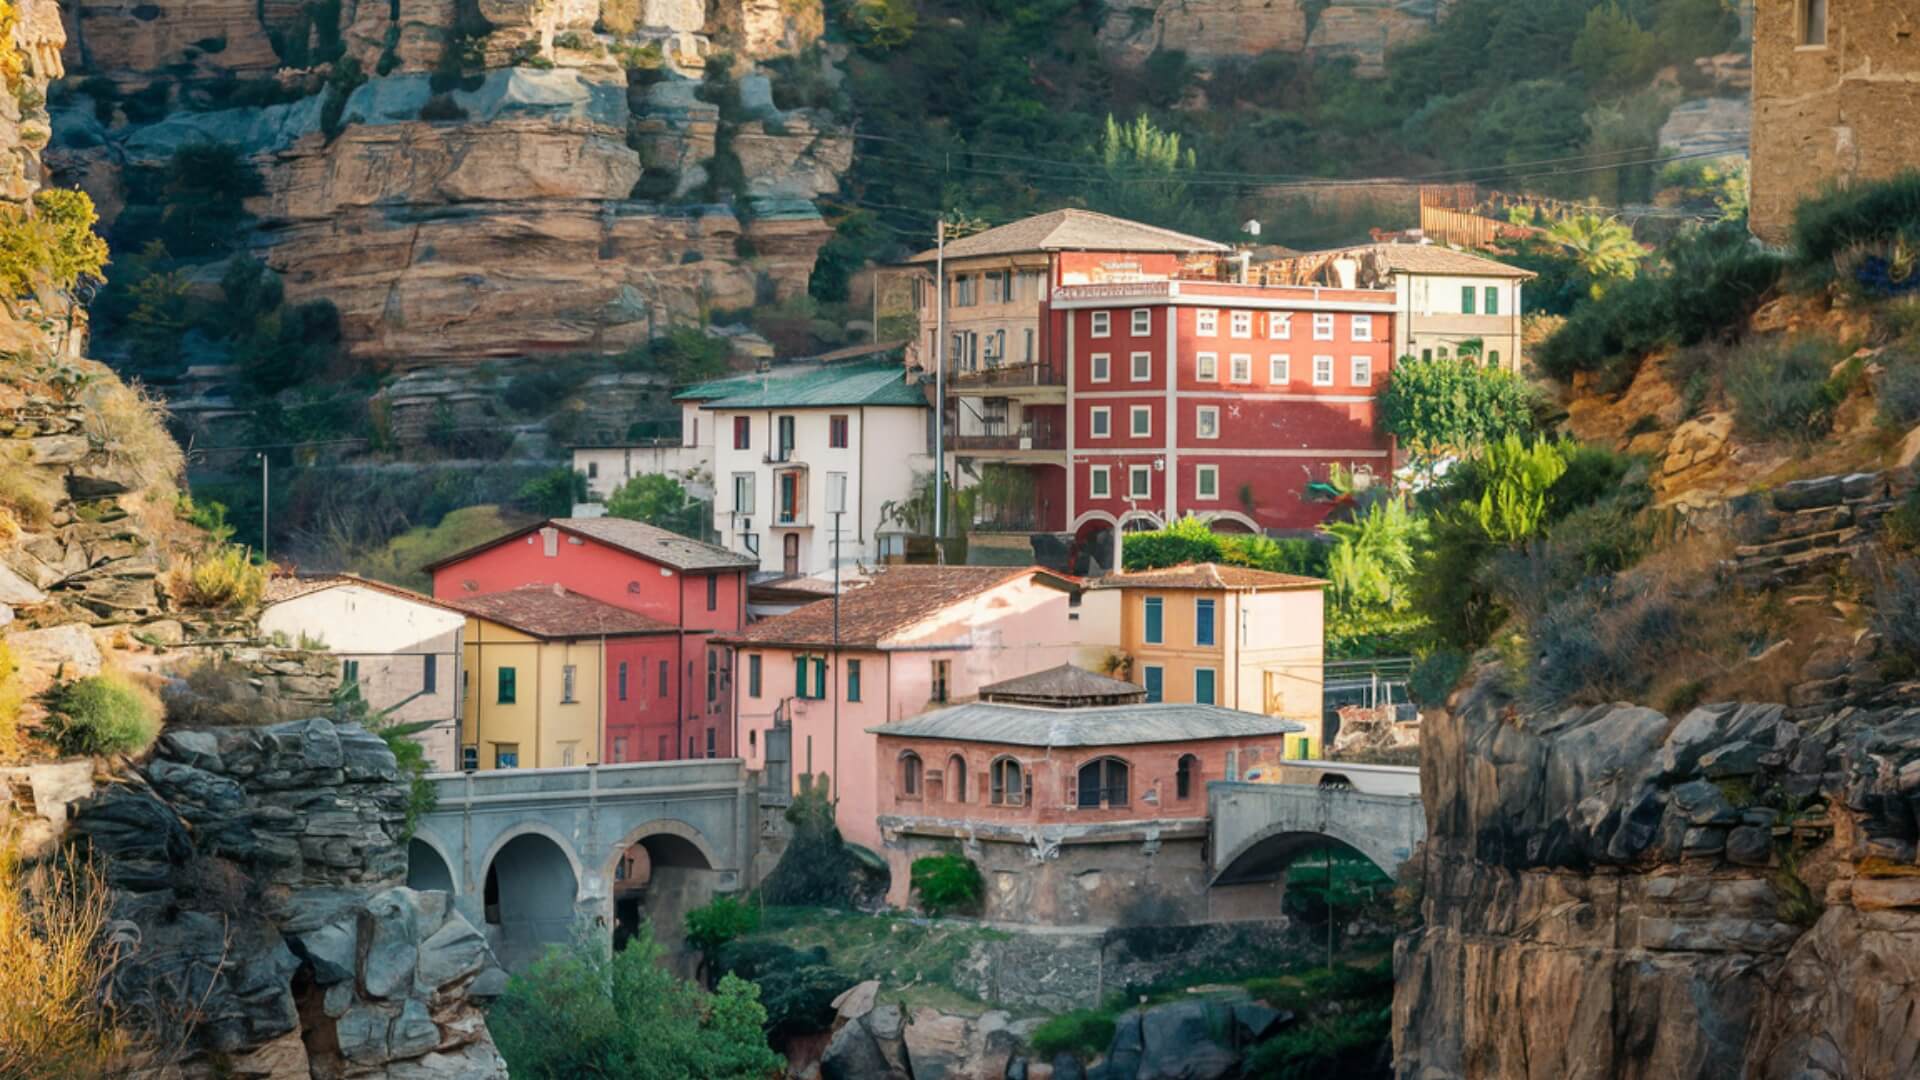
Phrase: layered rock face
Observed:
(258, 873)
(1208, 30)
(1611, 893)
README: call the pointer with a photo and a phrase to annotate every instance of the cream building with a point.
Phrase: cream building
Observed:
(1445, 301)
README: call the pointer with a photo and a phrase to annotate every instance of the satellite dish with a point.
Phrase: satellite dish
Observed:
(1251, 227)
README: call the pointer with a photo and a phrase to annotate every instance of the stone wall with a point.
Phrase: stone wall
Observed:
(1848, 111)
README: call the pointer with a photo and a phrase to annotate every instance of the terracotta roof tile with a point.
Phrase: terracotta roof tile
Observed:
(896, 598)
(634, 537)
(1429, 259)
(1102, 725)
(293, 586)
(1208, 576)
(549, 611)
(1063, 684)
(1073, 230)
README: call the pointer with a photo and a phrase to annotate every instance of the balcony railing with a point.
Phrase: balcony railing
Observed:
(1009, 375)
(1044, 437)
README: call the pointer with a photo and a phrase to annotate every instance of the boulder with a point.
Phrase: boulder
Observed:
(18, 591)
(1180, 1041)
(857, 1000)
(852, 1054)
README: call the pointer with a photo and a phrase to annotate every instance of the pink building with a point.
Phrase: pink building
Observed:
(1083, 802)
(911, 639)
(665, 697)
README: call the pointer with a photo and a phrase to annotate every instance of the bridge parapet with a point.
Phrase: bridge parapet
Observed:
(1258, 828)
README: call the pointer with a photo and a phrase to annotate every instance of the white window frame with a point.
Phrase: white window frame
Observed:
(1363, 328)
(1134, 473)
(1205, 476)
(1101, 368)
(1100, 417)
(1140, 367)
(1240, 368)
(1134, 413)
(1142, 321)
(1206, 366)
(1360, 370)
(1279, 326)
(1323, 371)
(1100, 324)
(1240, 324)
(1279, 369)
(1099, 482)
(1323, 327)
(1206, 322)
(1201, 415)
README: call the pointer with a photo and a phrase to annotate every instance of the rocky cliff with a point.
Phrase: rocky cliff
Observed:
(1735, 892)
(1211, 30)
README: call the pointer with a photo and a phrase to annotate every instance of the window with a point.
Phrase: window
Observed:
(1102, 324)
(837, 432)
(1203, 686)
(506, 755)
(1278, 370)
(1240, 324)
(1362, 371)
(788, 511)
(1206, 367)
(1099, 422)
(593, 470)
(1493, 358)
(1813, 23)
(1102, 782)
(506, 688)
(711, 741)
(623, 680)
(1142, 322)
(1323, 328)
(753, 675)
(1203, 621)
(663, 683)
(1183, 776)
(810, 678)
(1443, 352)
(942, 672)
(568, 675)
(1206, 482)
(964, 290)
(785, 444)
(349, 672)
(1153, 624)
(1098, 482)
(1140, 421)
(1240, 368)
(1029, 282)
(430, 674)
(713, 592)
(1152, 677)
(909, 775)
(1467, 294)
(713, 676)
(996, 282)
(1139, 482)
(566, 755)
(1279, 326)
(1206, 322)
(1363, 328)
(1005, 784)
(853, 680)
(1141, 367)
(1029, 345)
(1206, 422)
(956, 779)
(619, 749)
(742, 432)
(470, 758)
(1102, 367)
(1426, 354)
(1323, 371)
(743, 493)
(1491, 294)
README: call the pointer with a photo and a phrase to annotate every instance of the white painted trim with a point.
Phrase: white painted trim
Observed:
(1230, 515)
(1385, 307)
(1226, 393)
(1147, 451)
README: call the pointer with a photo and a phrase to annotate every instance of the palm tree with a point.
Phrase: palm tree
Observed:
(1604, 248)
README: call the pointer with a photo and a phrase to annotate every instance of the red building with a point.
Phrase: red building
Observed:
(667, 694)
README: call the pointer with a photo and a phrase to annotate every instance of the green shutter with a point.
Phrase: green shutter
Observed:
(1466, 299)
(506, 686)
(820, 677)
(1154, 632)
(799, 676)
(1203, 686)
(1493, 300)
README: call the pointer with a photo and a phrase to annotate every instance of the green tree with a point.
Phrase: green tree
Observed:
(1144, 173)
(1513, 504)
(1613, 51)
(1604, 248)
(553, 493)
(1443, 407)
(658, 499)
(1373, 555)
(881, 25)
(581, 1011)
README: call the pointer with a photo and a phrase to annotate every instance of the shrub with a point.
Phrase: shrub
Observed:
(1598, 645)
(131, 422)
(796, 988)
(719, 921)
(226, 578)
(1608, 536)
(1515, 480)
(552, 493)
(102, 714)
(947, 883)
(1783, 390)
(442, 108)
(1837, 219)
(28, 494)
(1435, 676)
(817, 869)
(52, 245)
(221, 693)
(1187, 540)
(1084, 1033)
(1445, 406)
(1899, 393)
(1349, 1044)
(1896, 604)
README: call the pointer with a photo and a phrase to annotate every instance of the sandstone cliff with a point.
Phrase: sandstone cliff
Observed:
(1211, 30)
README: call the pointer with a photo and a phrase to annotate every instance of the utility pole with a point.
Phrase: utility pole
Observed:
(837, 505)
(262, 455)
(940, 393)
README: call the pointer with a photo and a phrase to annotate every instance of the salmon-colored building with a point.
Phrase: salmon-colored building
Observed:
(1081, 798)
(913, 638)
(664, 694)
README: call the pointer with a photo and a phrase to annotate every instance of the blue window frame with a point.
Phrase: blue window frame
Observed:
(1203, 686)
(1152, 677)
(1203, 622)
(1155, 631)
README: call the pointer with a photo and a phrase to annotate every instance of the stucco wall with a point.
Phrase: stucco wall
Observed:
(550, 730)
(1267, 657)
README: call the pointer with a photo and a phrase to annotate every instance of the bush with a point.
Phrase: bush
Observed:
(552, 494)
(102, 714)
(1084, 1033)
(817, 869)
(226, 578)
(1899, 393)
(1827, 225)
(1784, 390)
(796, 988)
(1441, 407)
(220, 693)
(719, 921)
(947, 883)
(1435, 676)
(1349, 1044)
(53, 244)
(1896, 602)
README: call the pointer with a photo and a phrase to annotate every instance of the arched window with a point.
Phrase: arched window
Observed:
(1006, 786)
(956, 779)
(1103, 782)
(1184, 776)
(909, 775)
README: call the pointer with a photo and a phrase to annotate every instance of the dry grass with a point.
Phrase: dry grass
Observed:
(130, 425)
(220, 693)
(12, 696)
(52, 933)
(223, 579)
(28, 493)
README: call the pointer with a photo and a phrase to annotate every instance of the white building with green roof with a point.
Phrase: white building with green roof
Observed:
(787, 439)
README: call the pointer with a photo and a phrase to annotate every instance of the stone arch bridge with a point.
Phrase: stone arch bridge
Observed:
(529, 854)
(1258, 828)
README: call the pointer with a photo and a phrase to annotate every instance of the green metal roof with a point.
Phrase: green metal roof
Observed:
(882, 383)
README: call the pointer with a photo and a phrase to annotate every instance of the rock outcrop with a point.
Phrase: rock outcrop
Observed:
(258, 878)
(1212, 30)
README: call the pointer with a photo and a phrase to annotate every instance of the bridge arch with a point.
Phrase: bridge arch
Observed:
(660, 870)
(1269, 851)
(428, 867)
(532, 883)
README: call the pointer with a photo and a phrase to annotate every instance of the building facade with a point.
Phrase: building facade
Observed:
(402, 649)
(672, 690)
(1836, 98)
(795, 441)
(607, 468)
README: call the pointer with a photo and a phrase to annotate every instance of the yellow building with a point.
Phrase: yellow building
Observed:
(1230, 636)
(535, 694)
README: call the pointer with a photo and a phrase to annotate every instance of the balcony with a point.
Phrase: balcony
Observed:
(1007, 378)
(1032, 443)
